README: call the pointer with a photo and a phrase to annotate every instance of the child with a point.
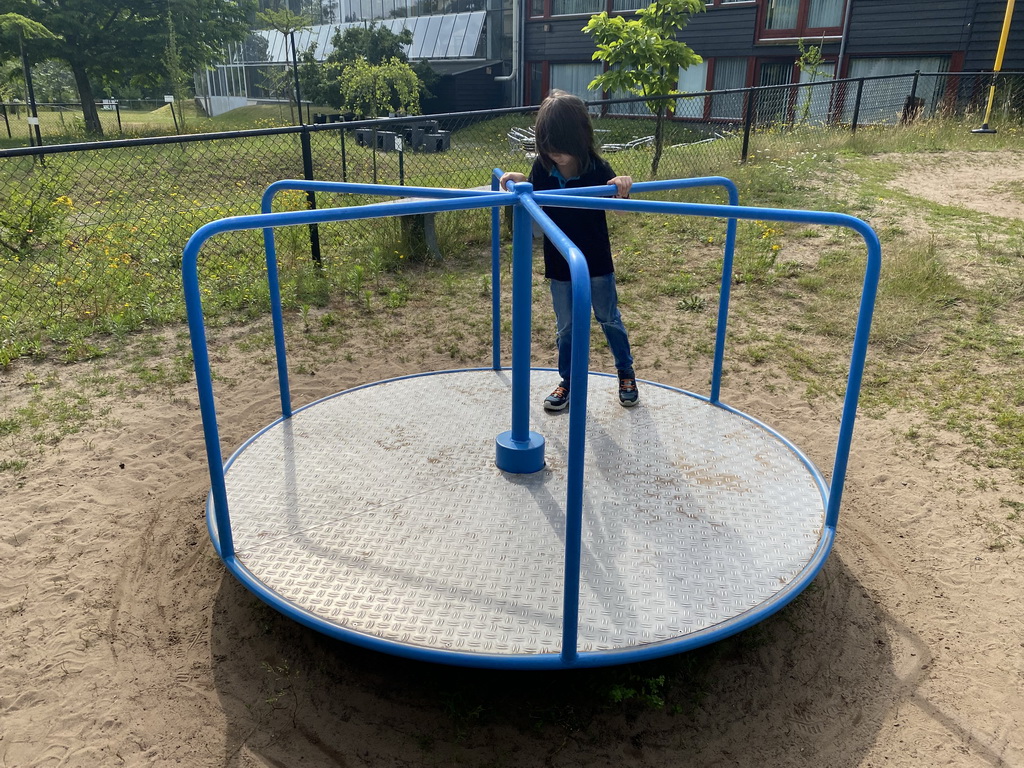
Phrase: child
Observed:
(567, 157)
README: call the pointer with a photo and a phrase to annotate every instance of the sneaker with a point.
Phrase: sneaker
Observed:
(628, 393)
(558, 399)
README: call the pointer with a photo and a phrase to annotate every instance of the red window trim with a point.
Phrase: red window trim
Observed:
(546, 14)
(801, 31)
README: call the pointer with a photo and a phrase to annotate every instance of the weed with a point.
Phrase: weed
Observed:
(694, 303)
(649, 692)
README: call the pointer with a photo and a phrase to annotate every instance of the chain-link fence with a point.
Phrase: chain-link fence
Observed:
(23, 124)
(52, 123)
(91, 235)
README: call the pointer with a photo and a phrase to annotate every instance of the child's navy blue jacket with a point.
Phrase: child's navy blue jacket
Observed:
(588, 229)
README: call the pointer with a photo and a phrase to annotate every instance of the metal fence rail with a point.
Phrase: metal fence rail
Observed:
(91, 234)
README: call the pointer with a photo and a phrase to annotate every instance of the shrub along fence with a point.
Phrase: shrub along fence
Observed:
(91, 234)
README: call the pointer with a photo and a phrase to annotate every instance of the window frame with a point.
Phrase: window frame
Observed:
(724, 3)
(801, 30)
(608, 8)
(544, 66)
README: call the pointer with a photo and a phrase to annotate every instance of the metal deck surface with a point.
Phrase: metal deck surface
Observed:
(381, 510)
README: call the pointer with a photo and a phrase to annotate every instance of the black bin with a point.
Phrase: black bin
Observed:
(437, 142)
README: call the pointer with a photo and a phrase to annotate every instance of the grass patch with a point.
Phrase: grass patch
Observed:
(946, 337)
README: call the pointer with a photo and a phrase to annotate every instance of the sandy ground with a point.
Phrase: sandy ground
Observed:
(123, 642)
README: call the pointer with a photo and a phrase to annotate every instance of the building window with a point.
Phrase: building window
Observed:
(802, 18)
(711, 3)
(692, 80)
(546, 8)
(882, 101)
(576, 7)
(575, 78)
(629, 5)
(814, 100)
(634, 108)
(728, 73)
(535, 75)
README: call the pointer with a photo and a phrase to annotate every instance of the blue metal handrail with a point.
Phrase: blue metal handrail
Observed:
(728, 255)
(303, 185)
(527, 209)
(590, 197)
(869, 292)
(265, 221)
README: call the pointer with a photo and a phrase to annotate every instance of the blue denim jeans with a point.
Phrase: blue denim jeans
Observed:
(605, 300)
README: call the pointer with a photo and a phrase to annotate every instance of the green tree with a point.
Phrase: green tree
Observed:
(370, 90)
(644, 56)
(15, 29)
(374, 44)
(53, 81)
(111, 42)
(14, 24)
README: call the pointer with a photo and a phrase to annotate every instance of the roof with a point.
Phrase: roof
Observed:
(444, 36)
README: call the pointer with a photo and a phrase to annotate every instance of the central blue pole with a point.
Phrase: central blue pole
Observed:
(519, 450)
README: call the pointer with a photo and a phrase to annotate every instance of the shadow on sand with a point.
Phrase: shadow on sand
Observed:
(809, 686)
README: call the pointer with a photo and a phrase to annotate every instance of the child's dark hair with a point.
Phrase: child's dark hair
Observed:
(563, 127)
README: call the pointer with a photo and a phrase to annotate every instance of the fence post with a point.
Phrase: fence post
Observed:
(911, 110)
(307, 174)
(748, 122)
(374, 153)
(856, 105)
(33, 120)
(913, 87)
(3, 110)
(117, 110)
(344, 162)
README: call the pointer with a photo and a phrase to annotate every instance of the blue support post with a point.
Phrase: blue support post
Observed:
(224, 543)
(724, 293)
(579, 373)
(519, 450)
(276, 310)
(495, 277)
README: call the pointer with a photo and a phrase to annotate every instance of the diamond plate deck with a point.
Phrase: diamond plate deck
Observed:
(380, 510)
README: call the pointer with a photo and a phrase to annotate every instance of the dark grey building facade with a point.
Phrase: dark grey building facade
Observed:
(756, 42)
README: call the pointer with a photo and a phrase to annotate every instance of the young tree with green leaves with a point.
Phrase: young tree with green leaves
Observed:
(371, 90)
(810, 63)
(125, 41)
(644, 57)
(374, 44)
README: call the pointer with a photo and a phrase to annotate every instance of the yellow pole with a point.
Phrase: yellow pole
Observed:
(999, 63)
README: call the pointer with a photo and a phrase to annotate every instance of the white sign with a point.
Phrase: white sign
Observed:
(398, 144)
(33, 121)
(169, 99)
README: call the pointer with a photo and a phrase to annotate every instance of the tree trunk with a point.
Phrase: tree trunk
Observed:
(85, 95)
(659, 133)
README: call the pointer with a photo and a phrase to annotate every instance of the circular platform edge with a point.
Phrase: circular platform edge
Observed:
(624, 655)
